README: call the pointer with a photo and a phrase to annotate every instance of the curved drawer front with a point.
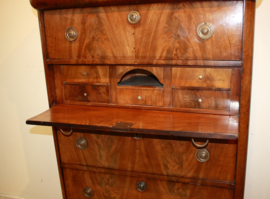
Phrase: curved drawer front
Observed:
(166, 31)
(104, 186)
(154, 156)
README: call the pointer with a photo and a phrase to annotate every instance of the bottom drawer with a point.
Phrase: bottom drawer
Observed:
(107, 186)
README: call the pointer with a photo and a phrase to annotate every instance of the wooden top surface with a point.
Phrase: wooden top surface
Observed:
(145, 121)
(61, 4)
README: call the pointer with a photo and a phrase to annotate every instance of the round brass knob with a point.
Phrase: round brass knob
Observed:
(85, 73)
(133, 17)
(85, 94)
(88, 192)
(81, 143)
(202, 155)
(200, 100)
(71, 34)
(200, 77)
(139, 97)
(205, 30)
(141, 186)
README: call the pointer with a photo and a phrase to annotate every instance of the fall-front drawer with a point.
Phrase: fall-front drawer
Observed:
(148, 155)
(86, 93)
(201, 99)
(140, 96)
(81, 184)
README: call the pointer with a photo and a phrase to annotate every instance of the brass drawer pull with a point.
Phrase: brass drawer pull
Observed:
(85, 94)
(202, 155)
(137, 138)
(70, 132)
(200, 100)
(200, 77)
(81, 143)
(71, 34)
(133, 17)
(200, 145)
(205, 30)
(141, 186)
(88, 192)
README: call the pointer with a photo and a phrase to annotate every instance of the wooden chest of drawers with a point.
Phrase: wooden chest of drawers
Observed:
(148, 99)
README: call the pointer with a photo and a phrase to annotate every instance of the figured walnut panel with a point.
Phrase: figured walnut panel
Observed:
(122, 187)
(157, 71)
(103, 33)
(98, 74)
(154, 156)
(95, 93)
(217, 78)
(218, 100)
(169, 31)
(140, 96)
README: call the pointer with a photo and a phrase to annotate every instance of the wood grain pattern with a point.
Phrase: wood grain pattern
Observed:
(121, 187)
(157, 71)
(249, 20)
(103, 33)
(169, 31)
(219, 100)
(154, 156)
(211, 77)
(140, 96)
(146, 121)
(99, 74)
(161, 34)
(167, 87)
(235, 91)
(94, 93)
(113, 84)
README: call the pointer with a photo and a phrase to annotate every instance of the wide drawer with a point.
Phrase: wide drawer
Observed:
(201, 99)
(148, 155)
(93, 74)
(104, 186)
(166, 31)
(201, 77)
(86, 93)
(140, 96)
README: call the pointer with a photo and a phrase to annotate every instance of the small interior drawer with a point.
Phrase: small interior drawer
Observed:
(93, 74)
(201, 77)
(149, 155)
(87, 93)
(140, 96)
(201, 99)
(104, 186)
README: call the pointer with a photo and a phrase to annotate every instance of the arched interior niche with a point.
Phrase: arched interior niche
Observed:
(139, 77)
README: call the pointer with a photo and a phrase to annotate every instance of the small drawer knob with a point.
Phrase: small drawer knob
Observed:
(85, 94)
(71, 34)
(200, 77)
(200, 100)
(88, 192)
(141, 186)
(202, 155)
(139, 97)
(133, 17)
(85, 73)
(81, 143)
(205, 30)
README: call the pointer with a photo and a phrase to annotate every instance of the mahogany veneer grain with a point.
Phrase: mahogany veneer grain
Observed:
(145, 121)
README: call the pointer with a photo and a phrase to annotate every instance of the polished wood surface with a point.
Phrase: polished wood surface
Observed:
(154, 156)
(99, 74)
(246, 75)
(145, 121)
(121, 187)
(87, 93)
(140, 95)
(201, 99)
(156, 71)
(217, 78)
(60, 4)
(104, 32)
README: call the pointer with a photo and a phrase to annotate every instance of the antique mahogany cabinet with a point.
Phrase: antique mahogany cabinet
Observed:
(148, 98)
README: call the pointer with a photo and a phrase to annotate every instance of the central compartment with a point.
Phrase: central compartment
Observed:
(140, 86)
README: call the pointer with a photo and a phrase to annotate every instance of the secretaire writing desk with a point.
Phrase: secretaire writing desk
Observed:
(148, 98)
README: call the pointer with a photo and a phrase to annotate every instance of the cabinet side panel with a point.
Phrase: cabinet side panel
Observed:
(249, 7)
